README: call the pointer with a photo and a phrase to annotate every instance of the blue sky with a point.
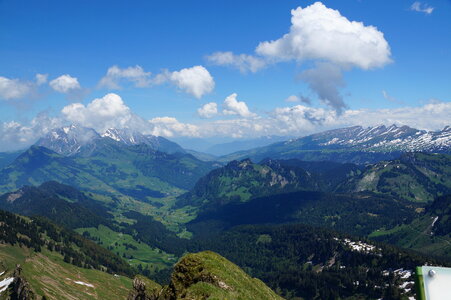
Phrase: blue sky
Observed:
(397, 73)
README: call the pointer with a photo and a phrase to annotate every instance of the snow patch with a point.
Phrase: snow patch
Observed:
(5, 283)
(83, 283)
(433, 222)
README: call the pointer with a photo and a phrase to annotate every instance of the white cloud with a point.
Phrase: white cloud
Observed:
(323, 36)
(41, 79)
(321, 33)
(196, 80)
(298, 120)
(109, 111)
(420, 7)
(65, 83)
(208, 110)
(168, 126)
(13, 88)
(135, 74)
(242, 62)
(16, 136)
(232, 106)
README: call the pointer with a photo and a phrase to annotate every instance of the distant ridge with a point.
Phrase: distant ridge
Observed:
(74, 139)
(354, 144)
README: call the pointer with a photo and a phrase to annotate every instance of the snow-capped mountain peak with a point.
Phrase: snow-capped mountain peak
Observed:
(74, 139)
(128, 136)
(383, 138)
(69, 139)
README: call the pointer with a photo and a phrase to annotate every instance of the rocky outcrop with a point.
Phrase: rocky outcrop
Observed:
(20, 288)
(205, 275)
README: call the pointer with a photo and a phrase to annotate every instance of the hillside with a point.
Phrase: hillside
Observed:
(143, 241)
(353, 144)
(207, 275)
(38, 258)
(417, 177)
(60, 203)
(58, 263)
(8, 157)
(429, 233)
(359, 213)
(303, 262)
(240, 181)
(110, 168)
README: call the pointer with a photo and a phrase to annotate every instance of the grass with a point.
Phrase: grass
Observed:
(207, 275)
(49, 275)
(143, 254)
(417, 236)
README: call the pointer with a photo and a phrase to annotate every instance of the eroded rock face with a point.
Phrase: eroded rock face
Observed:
(139, 291)
(20, 288)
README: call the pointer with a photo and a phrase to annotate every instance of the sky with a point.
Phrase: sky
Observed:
(223, 69)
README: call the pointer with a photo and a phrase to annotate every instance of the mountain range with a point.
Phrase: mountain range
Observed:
(353, 144)
(148, 201)
(75, 139)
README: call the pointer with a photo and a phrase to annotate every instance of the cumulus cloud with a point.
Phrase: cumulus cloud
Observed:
(65, 84)
(232, 106)
(13, 88)
(109, 111)
(242, 62)
(115, 75)
(323, 36)
(168, 126)
(196, 80)
(41, 79)
(420, 7)
(321, 33)
(325, 79)
(208, 110)
(298, 120)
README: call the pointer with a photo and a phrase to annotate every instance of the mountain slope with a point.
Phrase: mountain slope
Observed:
(8, 157)
(302, 262)
(60, 203)
(207, 275)
(240, 181)
(354, 144)
(429, 233)
(111, 168)
(74, 139)
(416, 177)
(359, 214)
(68, 140)
(46, 274)
(57, 263)
(131, 137)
